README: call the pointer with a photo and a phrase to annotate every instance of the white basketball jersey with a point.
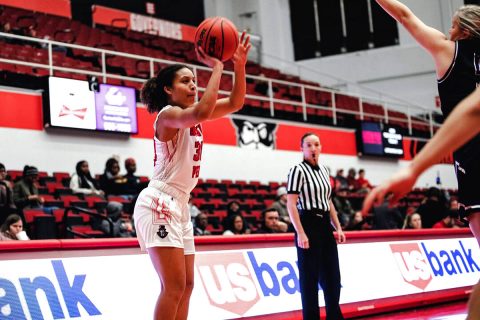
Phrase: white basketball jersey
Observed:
(177, 161)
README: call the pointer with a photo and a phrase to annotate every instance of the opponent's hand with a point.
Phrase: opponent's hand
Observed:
(302, 241)
(241, 54)
(206, 59)
(398, 186)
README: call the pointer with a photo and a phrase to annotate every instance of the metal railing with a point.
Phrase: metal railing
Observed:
(412, 115)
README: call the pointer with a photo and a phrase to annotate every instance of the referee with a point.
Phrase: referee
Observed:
(312, 213)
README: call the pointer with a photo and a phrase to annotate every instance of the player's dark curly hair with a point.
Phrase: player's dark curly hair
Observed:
(153, 95)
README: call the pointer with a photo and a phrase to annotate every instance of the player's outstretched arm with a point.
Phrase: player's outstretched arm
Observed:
(430, 38)
(236, 99)
(461, 125)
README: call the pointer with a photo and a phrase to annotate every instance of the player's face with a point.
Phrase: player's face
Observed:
(311, 148)
(183, 90)
(456, 33)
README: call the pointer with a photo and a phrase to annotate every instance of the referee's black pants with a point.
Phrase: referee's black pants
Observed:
(319, 265)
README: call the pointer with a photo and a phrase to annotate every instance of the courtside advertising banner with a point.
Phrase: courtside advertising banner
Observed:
(228, 284)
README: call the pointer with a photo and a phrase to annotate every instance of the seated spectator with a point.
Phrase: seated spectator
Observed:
(271, 222)
(133, 181)
(343, 206)
(194, 211)
(340, 181)
(12, 229)
(448, 221)
(7, 206)
(357, 222)
(280, 205)
(121, 227)
(25, 191)
(363, 184)
(83, 182)
(386, 218)
(200, 227)
(111, 182)
(413, 221)
(433, 207)
(352, 179)
(236, 225)
(233, 207)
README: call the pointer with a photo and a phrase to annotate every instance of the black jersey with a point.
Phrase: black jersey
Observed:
(463, 75)
(460, 80)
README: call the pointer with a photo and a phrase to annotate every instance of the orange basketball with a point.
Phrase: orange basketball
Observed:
(218, 37)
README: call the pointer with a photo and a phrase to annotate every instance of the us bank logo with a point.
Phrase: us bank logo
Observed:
(237, 281)
(419, 263)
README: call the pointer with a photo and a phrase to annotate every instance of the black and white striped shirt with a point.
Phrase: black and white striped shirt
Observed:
(312, 184)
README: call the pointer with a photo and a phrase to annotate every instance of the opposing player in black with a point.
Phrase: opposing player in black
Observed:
(457, 62)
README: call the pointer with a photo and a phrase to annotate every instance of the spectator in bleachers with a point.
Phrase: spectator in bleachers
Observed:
(447, 222)
(111, 182)
(200, 227)
(340, 181)
(386, 218)
(236, 225)
(453, 212)
(25, 191)
(343, 206)
(233, 207)
(281, 205)
(12, 229)
(194, 211)
(121, 227)
(7, 206)
(433, 207)
(133, 181)
(352, 179)
(363, 184)
(82, 181)
(271, 222)
(413, 221)
(357, 222)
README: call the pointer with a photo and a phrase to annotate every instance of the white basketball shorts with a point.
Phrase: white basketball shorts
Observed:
(162, 218)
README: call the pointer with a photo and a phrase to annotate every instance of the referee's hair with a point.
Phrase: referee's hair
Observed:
(306, 135)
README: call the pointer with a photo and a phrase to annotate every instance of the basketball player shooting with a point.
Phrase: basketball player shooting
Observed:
(161, 214)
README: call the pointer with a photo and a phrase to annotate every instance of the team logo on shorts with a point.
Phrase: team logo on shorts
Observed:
(162, 232)
(161, 211)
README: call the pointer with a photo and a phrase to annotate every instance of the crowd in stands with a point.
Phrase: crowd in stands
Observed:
(216, 207)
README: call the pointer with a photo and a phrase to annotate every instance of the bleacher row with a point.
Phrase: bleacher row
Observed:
(210, 196)
(347, 108)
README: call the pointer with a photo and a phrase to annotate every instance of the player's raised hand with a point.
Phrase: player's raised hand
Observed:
(206, 59)
(395, 188)
(241, 54)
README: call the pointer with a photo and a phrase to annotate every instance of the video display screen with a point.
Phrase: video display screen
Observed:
(72, 104)
(377, 139)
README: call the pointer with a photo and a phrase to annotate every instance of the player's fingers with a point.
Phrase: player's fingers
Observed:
(242, 36)
(247, 41)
